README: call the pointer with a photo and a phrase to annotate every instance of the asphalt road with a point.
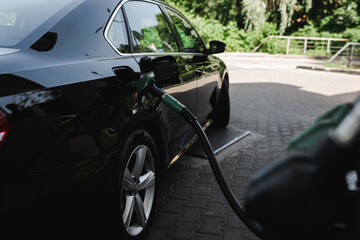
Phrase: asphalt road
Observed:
(273, 100)
(267, 62)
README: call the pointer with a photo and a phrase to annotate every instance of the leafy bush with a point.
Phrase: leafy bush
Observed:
(239, 40)
(308, 30)
(353, 34)
(273, 46)
(344, 17)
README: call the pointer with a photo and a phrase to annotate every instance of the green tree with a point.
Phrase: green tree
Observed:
(243, 24)
(256, 12)
(343, 17)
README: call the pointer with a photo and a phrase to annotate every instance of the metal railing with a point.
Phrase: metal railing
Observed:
(305, 45)
(348, 55)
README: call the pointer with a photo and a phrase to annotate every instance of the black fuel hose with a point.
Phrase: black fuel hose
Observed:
(192, 120)
(233, 202)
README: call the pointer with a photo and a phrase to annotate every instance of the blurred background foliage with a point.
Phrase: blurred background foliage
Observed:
(243, 24)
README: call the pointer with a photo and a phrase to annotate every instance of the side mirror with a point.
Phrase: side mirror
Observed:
(217, 47)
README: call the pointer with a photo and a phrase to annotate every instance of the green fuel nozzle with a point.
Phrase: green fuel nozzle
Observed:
(146, 84)
(140, 85)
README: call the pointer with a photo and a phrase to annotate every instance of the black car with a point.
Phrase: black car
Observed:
(69, 122)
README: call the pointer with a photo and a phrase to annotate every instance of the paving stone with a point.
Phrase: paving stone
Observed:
(165, 220)
(215, 209)
(210, 225)
(250, 236)
(276, 155)
(184, 230)
(242, 181)
(239, 192)
(202, 189)
(202, 236)
(228, 167)
(191, 172)
(206, 178)
(217, 196)
(231, 160)
(229, 175)
(234, 234)
(186, 181)
(190, 214)
(274, 105)
(162, 196)
(277, 149)
(173, 205)
(167, 185)
(247, 152)
(197, 201)
(158, 234)
(245, 158)
(181, 193)
(232, 220)
(246, 164)
(244, 172)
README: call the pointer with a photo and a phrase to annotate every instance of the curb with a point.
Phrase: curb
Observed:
(246, 54)
(335, 70)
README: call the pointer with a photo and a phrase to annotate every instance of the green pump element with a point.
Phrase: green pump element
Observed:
(147, 83)
(140, 85)
(172, 103)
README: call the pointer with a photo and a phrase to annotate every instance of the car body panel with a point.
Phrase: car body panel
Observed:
(69, 112)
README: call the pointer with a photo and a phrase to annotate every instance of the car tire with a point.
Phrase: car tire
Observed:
(135, 186)
(222, 113)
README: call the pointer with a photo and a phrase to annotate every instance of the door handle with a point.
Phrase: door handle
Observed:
(199, 72)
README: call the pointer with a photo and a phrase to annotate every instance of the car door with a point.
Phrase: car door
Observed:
(152, 36)
(206, 67)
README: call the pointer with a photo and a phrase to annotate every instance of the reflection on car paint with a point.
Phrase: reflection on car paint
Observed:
(27, 100)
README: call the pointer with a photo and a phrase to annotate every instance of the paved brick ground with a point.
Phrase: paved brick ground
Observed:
(274, 105)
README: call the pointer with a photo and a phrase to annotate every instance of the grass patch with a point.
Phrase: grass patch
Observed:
(341, 66)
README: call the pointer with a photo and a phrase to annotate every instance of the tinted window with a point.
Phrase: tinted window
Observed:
(117, 34)
(189, 37)
(19, 18)
(150, 29)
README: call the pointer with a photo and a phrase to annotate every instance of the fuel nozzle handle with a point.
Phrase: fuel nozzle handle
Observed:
(141, 84)
(167, 99)
(348, 131)
(146, 84)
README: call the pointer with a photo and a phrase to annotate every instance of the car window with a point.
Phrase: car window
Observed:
(117, 34)
(20, 18)
(150, 29)
(189, 37)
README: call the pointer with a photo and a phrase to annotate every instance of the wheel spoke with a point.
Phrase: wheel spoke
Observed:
(128, 212)
(128, 175)
(140, 160)
(140, 211)
(147, 180)
(128, 180)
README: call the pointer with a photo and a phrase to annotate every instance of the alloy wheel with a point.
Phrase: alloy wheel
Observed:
(138, 190)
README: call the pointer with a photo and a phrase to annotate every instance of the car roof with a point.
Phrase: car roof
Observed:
(101, 6)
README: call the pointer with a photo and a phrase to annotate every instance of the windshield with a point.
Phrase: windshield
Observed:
(19, 18)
